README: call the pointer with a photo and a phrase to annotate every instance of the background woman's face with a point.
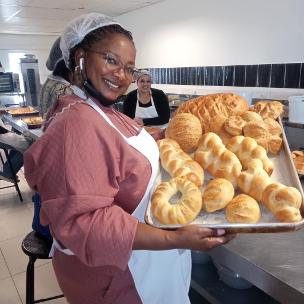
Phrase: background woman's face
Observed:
(144, 83)
(108, 70)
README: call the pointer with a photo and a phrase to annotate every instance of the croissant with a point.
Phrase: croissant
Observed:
(284, 202)
(246, 149)
(183, 211)
(213, 156)
(178, 163)
(254, 180)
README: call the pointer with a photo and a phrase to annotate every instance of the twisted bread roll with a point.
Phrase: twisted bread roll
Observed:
(266, 109)
(185, 210)
(246, 149)
(243, 209)
(284, 202)
(177, 163)
(254, 180)
(212, 155)
(218, 193)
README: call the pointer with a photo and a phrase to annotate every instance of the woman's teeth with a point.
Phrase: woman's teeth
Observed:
(112, 85)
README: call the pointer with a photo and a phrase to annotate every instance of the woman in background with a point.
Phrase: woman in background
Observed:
(146, 105)
(57, 84)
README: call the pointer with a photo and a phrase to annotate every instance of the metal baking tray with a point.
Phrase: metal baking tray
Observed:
(284, 172)
(30, 111)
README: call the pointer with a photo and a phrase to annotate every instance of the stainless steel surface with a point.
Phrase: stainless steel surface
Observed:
(272, 262)
(20, 126)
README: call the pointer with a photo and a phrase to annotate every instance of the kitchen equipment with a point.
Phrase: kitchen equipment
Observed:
(296, 109)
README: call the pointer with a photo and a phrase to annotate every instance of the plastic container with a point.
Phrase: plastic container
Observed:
(296, 109)
(199, 257)
(231, 278)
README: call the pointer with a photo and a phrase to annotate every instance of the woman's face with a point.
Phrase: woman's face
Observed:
(109, 64)
(144, 84)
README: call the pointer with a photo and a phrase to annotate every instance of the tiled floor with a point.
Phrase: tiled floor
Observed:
(15, 223)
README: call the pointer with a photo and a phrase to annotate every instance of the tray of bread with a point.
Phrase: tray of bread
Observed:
(22, 111)
(223, 165)
(33, 122)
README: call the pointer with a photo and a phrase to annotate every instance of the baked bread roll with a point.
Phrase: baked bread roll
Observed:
(298, 159)
(254, 180)
(186, 129)
(274, 128)
(243, 209)
(185, 210)
(224, 136)
(257, 130)
(213, 110)
(178, 163)
(218, 193)
(234, 125)
(251, 116)
(246, 149)
(269, 109)
(274, 144)
(213, 156)
(284, 202)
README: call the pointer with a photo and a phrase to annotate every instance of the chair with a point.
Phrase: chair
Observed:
(5, 147)
(35, 246)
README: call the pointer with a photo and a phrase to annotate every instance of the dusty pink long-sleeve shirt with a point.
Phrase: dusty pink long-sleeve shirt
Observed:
(90, 181)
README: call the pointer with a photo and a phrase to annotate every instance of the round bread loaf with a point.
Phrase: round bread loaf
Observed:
(186, 129)
(218, 193)
(243, 209)
(184, 210)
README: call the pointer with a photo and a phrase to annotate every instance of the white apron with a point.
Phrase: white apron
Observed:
(160, 277)
(142, 112)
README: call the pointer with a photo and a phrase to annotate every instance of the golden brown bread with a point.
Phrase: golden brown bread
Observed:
(273, 126)
(254, 180)
(213, 156)
(243, 209)
(184, 210)
(212, 110)
(251, 116)
(266, 109)
(186, 129)
(218, 193)
(284, 202)
(246, 149)
(298, 159)
(274, 144)
(178, 163)
(234, 125)
(257, 130)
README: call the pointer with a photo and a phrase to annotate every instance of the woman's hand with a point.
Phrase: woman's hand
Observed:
(198, 238)
(139, 121)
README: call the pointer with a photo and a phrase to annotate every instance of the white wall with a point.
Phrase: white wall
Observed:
(33, 44)
(177, 33)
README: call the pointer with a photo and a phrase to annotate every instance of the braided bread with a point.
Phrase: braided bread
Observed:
(284, 202)
(177, 163)
(185, 210)
(254, 180)
(246, 149)
(213, 156)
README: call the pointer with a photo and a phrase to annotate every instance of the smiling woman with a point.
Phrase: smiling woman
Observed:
(96, 181)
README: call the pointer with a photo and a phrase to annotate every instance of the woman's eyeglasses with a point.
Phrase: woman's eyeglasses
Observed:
(114, 64)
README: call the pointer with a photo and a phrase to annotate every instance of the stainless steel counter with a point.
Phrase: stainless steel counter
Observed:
(272, 262)
(21, 127)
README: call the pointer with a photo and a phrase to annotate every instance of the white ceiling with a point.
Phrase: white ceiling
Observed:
(49, 17)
